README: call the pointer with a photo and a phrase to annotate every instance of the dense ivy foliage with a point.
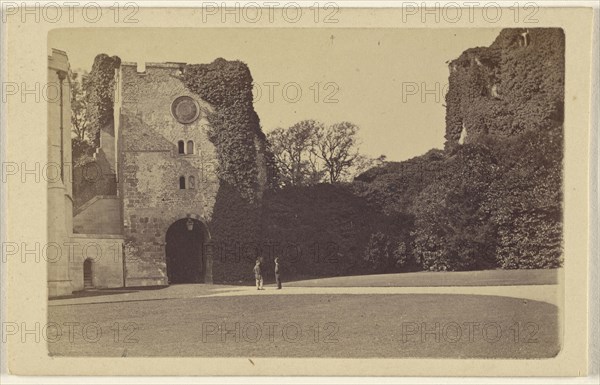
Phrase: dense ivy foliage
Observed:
(510, 97)
(89, 172)
(316, 231)
(452, 230)
(245, 165)
(392, 187)
(525, 200)
(235, 127)
(235, 234)
(516, 84)
(100, 84)
(496, 200)
(493, 202)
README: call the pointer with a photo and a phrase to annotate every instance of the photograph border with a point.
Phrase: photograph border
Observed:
(27, 62)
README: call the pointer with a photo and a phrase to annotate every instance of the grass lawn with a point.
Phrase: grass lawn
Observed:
(449, 278)
(314, 325)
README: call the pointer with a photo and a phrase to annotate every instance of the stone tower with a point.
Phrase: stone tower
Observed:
(157, 182)
(166, 175)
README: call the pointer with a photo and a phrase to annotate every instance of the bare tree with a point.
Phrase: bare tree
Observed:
(309, 152)
(293, 151)
(337, 147)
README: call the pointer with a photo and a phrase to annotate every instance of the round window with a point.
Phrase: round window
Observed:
(185, 109)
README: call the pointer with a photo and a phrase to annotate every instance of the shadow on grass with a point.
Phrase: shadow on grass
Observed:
(496, 277)
(101, 292)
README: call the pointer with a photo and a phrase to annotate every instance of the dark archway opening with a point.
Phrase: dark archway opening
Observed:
(185, 242)
(88, 278)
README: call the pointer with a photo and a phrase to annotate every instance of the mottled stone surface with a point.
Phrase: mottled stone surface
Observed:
(106, 255)
(150, 167)
(100, 215)
(60, 201)
(139, 153)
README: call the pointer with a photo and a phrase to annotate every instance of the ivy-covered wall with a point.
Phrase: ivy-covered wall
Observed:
(234, 125)
(493, 201)
(245, 165)
(315, 231)
(496, 199)
(510, 98)
(100, 91)
(516, 84)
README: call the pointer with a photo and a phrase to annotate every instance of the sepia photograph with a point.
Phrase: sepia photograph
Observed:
(356, 195)
(299, 191)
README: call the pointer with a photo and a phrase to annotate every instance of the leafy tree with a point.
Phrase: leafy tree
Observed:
(378, 254)
(363, 163)
(82, 151)
(401, 255)
(82, 142)
(452, 230)
(392, 187)
(384, 253)
(79, 118)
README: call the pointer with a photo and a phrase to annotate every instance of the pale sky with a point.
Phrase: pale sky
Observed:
(361, 72)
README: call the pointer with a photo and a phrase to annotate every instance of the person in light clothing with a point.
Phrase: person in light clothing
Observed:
(258, 275)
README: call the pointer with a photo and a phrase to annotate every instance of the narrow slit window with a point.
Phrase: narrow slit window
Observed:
(192, 182)
(182, 183)
(190, 147)
(181, 147)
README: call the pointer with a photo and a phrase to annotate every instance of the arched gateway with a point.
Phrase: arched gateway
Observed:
(186, 257)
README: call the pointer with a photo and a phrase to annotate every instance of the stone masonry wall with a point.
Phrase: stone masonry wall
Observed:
(106, 254)
(150, 167)
(100, 215)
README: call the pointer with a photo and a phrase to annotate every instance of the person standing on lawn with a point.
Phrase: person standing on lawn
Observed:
(277, 274)
(258, 275)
